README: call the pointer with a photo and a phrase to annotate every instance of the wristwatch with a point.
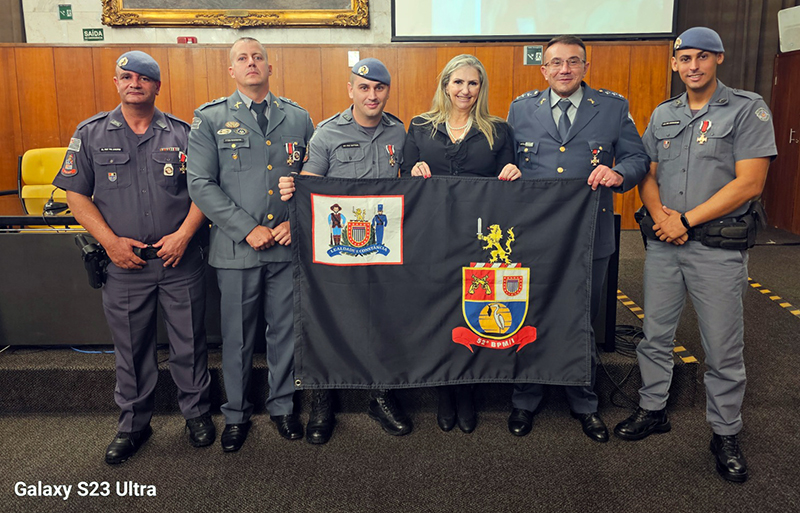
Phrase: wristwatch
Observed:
(685, 222)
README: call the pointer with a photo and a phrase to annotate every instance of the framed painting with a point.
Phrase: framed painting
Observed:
(237, 13)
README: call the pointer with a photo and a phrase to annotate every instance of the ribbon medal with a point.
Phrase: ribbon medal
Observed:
(182, 157)
(294, 154)
(595, 160)
(703, 129)
(390, 151)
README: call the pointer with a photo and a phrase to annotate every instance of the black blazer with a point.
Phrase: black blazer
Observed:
(470, 157)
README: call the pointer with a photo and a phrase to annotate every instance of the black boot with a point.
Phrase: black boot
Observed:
(465, 405)
(446, 414)
(321, 419)
(385, 409)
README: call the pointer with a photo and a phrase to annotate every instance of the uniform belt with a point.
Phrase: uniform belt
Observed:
(695, 233)
(148, 253)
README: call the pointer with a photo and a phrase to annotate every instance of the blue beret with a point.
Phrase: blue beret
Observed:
(372, 69)
(141, 63)
(700, 38)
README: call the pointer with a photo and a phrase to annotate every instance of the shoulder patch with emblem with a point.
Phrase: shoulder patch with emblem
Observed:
(74, 145)
(69, 168)
(196, 123)
(762, 114)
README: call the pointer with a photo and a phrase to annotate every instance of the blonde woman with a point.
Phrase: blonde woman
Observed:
(459, 137)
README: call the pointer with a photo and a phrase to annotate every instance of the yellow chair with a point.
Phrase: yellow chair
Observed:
(37, 169)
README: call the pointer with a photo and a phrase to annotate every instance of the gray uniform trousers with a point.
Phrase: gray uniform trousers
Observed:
(716, 280)
(130, 301)
(240, 307)
(581, 399)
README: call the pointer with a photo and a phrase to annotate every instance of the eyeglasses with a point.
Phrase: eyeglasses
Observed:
(572, 62)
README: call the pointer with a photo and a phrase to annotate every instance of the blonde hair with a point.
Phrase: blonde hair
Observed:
(441, 105)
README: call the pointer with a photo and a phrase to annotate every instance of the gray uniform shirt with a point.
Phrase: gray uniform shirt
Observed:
(697, 154)
(341, 148)
(138, 183)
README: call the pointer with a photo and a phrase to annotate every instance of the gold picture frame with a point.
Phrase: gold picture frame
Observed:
(263, 13)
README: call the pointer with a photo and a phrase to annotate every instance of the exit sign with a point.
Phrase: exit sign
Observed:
(92, 34)
(65, 12)
(533, 55)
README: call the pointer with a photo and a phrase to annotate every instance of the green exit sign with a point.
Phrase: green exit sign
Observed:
(93, 34)
(64, 11)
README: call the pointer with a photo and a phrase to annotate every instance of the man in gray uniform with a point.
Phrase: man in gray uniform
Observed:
(363, 141)
(126, 184)
(238, 148)
(711, 148)
(570, 130)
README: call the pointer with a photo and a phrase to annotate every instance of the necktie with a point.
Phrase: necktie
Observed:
(563, 121)
(261, 118)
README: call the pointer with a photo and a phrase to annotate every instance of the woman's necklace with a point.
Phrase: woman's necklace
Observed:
(465, 129)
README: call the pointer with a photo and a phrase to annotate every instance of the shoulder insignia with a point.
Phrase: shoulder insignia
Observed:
(176, 118)
(326, 121)
(529, 94)
(673, 99)
(746, 94)
(611, 94)
(290, 102)
(394, 118)
(213, 102)
(99, 115)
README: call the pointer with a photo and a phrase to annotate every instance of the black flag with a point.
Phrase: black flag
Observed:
(418, 282)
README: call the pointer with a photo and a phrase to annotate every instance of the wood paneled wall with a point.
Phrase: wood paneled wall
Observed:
(45, 91)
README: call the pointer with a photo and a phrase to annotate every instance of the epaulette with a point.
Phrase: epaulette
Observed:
(529, 94)
(394, 118)
(325, 121)
(746, 94)
(612, 94)
(99, 115)
(176, 118)
(673, 99)
(290, 102)
(213, 102)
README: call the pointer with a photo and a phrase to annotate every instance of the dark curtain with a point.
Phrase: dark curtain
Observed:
(749, 31)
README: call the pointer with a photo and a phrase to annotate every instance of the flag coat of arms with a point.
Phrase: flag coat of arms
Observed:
(470, 280)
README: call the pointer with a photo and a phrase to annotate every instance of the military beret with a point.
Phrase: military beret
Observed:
(141, 63)
(700, 38)
(372, 69)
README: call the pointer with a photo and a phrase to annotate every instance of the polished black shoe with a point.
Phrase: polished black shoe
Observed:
(288, 426)
(233, 436)
(520, 422)
(125, 444)
(593, 426)
(643, 423)
(465, 406)
(389, 414)
(446, 411)
(321, 420)
(731, 463)
(201, 430)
